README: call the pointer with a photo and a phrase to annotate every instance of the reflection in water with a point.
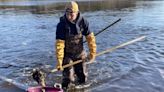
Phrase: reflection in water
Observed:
(50, 6)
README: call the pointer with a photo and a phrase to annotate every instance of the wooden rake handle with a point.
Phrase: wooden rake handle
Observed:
(105, 51)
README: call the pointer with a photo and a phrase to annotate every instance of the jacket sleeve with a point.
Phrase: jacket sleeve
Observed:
(86, 27)
(60, 32)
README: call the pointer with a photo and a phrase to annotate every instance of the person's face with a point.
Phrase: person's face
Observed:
(71, 16)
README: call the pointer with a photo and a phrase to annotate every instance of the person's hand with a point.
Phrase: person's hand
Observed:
(91, 58)
(59, 67)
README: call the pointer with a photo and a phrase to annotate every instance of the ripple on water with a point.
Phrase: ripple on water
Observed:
(161, 71)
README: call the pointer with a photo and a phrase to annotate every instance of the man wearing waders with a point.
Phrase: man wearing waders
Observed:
(69, 45)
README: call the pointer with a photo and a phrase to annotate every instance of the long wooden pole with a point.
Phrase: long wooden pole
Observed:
(106, 51)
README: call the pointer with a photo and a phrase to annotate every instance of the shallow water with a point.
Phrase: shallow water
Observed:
(27, 33)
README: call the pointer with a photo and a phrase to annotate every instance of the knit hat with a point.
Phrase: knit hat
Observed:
(72, 7)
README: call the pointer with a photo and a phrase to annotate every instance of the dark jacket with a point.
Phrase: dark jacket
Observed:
(81, 25)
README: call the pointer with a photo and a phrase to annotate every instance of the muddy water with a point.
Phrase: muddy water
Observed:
(27, 33)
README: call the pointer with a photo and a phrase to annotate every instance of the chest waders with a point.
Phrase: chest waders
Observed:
(74, 51)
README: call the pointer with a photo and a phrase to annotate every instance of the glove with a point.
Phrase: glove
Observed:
(59, 66)
(60, 44)
(92, 47)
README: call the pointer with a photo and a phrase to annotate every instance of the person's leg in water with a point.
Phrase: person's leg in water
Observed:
(68, 74)
(81, 72)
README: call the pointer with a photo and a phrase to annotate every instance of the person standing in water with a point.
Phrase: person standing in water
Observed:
(69, 45)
